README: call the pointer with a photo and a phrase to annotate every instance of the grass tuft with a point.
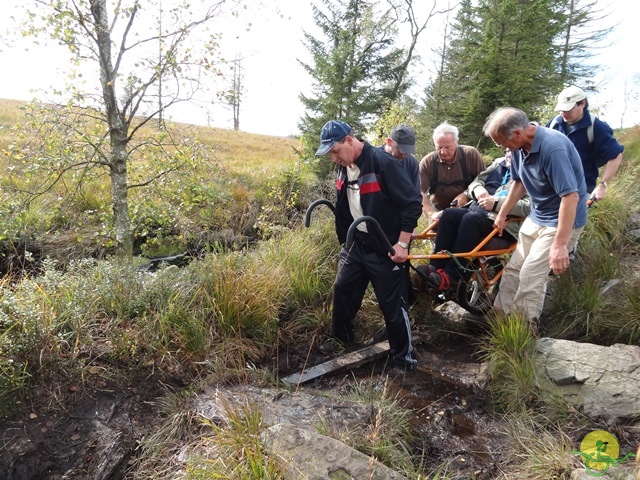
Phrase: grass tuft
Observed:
(509, 349)
(234, 449)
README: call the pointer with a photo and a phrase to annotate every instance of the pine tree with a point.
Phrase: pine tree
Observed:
(354, 65)
(499, 56)
(584, 29)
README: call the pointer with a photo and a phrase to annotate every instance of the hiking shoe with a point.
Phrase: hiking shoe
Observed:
(401, 368)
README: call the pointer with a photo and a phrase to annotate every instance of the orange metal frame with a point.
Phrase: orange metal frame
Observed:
(478, 251)
(482, 274)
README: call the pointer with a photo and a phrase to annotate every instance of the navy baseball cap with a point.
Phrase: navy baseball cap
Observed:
(405, 137)
(333, 131)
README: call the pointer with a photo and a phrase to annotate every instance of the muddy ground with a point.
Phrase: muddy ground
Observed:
(92, 431)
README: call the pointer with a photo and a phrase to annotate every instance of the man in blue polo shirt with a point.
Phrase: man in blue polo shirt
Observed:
(550, 171)
(592, 137)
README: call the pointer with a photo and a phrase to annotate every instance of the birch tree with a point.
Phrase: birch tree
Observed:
(132, 60)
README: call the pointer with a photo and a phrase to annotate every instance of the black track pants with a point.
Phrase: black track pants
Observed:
(355, 270)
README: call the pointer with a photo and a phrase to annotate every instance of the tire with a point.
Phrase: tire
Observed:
(473, 295)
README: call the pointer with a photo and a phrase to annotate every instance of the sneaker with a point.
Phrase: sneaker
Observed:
(425, 270)
(440, 280)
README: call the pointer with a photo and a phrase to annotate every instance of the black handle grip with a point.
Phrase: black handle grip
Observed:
(322, 201)
(377, 230)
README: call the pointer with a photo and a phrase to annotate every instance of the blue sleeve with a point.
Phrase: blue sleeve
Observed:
(561, 173)
(606, 146)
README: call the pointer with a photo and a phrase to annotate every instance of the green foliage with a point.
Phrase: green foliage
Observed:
(498, 57)
(100, 128)
(238, 302)
(542, 450)
(588, 303)
(388, 436)
(585, 28)
(282, 203)
(354, 66)
(400, 111)
(310, 258)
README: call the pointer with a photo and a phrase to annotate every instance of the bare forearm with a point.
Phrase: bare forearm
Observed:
(611, 168)
(566, 218)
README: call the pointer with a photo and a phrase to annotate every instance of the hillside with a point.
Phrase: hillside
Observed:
(240, 150)
(219, 181)
(113, 370)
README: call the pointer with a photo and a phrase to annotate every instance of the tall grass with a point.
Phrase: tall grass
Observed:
(234, 450)
(509, 349)
(388, 436)
(581, 308)
(231, 309)
(542, 451)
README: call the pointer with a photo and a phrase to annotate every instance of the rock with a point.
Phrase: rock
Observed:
(280, 406)
(634, 235)
(618, 473)
(313, 456)
(602, 382)
(454, 313)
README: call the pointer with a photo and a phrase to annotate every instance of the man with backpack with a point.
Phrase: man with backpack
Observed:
(446, 173)
(592, 137)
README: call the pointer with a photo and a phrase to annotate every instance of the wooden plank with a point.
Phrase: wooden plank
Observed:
(349, 360)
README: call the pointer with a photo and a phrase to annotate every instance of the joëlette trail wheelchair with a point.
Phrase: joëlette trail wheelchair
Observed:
(485, 262)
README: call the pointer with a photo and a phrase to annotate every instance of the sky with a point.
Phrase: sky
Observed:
(269, 37)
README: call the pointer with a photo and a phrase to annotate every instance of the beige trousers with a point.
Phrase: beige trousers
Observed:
(524, 280)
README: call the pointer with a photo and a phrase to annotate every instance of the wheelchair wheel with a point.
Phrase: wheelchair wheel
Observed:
(474, 295)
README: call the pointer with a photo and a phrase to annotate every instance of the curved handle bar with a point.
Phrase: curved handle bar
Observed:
(322, 201)
(371, 222)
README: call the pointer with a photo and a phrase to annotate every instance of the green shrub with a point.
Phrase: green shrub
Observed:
(509, 349)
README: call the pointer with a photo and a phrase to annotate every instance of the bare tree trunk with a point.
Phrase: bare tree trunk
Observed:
(117, 133)
(567, 39)
(120, 197)
(237, 92)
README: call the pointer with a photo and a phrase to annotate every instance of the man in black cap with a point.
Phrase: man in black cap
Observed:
(371, 182)
(401, 144)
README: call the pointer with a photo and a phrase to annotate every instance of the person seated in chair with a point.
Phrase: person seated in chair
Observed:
(462, 229)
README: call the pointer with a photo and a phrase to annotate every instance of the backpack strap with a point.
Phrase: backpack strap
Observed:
(554, 122)
(435, 167)
(590, 129)
(463, 167)
(434, 174)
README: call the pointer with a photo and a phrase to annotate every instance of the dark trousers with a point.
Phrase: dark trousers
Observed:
(356, 269)
(460, 230)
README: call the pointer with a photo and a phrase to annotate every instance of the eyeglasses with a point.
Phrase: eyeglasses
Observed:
(501, 145)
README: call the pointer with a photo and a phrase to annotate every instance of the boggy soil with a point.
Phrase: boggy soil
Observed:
(91, 431)
(87, 431)
(453, 421)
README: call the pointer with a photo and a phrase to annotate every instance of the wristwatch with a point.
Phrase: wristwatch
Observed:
(604, 184)
(403, 245)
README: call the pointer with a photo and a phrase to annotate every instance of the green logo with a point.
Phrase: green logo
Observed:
(600, 450)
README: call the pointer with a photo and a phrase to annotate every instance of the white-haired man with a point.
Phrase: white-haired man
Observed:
(446, 173)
